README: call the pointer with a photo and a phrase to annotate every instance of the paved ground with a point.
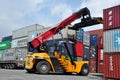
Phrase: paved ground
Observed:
(6, 74)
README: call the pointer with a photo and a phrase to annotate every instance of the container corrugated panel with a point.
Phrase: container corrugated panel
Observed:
(33, 34)
(112, 40)
(86, 53)
(21, 54)
(93, 40)
(71, 34)
(100, 42)
(92, 65)
(86, 39)
(23, 32)
(1, 55)
(5, 45)
(100, 54)
(111, 18)
(112, 66)
(98, 32)
(7, 38)
(100, 67)
(21, 42)
(79, 49)
(79, 35)
(93, 52)
(9, 54)
(65, 33)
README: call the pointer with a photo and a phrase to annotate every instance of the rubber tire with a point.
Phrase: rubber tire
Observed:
(40, 65)
(30, 71)
(84, 70)
(67, 73)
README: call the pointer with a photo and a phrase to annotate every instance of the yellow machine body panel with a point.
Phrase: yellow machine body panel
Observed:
(76, 67)
(68, 66)
(31, 59)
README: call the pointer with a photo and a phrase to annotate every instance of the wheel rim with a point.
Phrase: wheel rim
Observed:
(44, 67)
(85, 70)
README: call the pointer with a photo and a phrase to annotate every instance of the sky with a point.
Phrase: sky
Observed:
(15, 14)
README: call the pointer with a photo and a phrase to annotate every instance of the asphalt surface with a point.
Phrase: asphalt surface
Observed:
(6, 74)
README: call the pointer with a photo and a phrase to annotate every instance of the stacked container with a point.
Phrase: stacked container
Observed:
(112, 42)
(7, 38)
(5, 45)
(19, 42)
(97, 43)
(83, 38)
(33, 34)
(93, 52)
(13, 49)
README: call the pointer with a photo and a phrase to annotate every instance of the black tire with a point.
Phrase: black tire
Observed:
(85, 70)
(67, 73)
(30, 71)
(43, 67)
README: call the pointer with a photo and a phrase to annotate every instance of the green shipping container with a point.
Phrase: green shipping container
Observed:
(1, 55)
(5, 45)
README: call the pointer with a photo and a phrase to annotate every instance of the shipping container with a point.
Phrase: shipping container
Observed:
(21, 54)
(13, 58)
(100, 67)
(79, 35)
(86, 53)
(93, 40)
(33, 34)
(86, 39)
(112, 40)
(79, 49)
(5, 45)
(9, 54)
(93, 52)
(7, 38)
(65, 33)
(21, 42)
(70, 34)
(23, 32)
(1, 55)
(98, 32)
(111, 18)
(100, 42)
(112, 65)
(100, 54)
(92, 65)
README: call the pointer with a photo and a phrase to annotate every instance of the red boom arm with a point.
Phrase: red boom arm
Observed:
(51, 32)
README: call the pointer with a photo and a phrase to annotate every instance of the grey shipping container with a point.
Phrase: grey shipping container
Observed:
(112, 40)
(9, 54)
(86, 39)
(33, 34)
(1, 55)
(65, 33)
(21, 54)
(21, 42)
(13, 58)
(23, 32)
